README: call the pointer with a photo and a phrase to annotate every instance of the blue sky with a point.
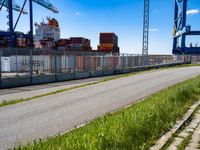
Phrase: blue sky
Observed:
(87, 18)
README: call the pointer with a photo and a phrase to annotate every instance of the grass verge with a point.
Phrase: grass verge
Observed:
(136, 127)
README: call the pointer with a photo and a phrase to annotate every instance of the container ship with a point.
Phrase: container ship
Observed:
(46, 34)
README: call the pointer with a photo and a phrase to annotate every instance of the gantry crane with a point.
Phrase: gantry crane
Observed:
(145, 44)
(11, 5)
(182, 30)
(16, 7)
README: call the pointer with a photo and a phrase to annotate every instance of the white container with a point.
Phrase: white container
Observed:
(15, 63)
(5, 64)
(68, 62)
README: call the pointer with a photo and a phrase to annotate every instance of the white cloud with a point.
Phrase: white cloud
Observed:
(77, 13)
(153, 30)
(193, 12)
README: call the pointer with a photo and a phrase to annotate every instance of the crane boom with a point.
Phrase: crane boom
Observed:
(15, 6)
(46, 4)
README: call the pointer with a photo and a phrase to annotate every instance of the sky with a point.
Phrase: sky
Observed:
(87, 18)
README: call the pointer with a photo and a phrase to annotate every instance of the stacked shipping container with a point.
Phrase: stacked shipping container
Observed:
(75, 44)
(80, 44)
(108, 42)
(4, 41)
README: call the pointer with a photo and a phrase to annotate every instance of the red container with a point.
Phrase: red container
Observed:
(76, 40)
(108, 38)
(79, 63)
(79, 44)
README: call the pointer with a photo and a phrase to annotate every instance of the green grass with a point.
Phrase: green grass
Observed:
(169, 142)
(198, 145)
(185, 142)
(136, 127)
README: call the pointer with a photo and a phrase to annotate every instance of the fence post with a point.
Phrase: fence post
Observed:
(90, 64)
(54, 52)
(16, 61)
(103, 65)
(96, 62)
(65, 57)
(74, 69)
(123, 66)
(190, 59)
(0, 69)
(31, 65)
(132, 62)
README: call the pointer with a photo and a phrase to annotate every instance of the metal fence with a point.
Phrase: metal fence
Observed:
(19, 63)
(195, 59)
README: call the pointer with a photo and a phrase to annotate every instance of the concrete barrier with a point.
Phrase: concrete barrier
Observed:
(108, 72)
(65, 76)
(43, 79)
(26, 80)
(118, 71)
(127, 70)
(96, 73)
(82, 75)
(15, 82)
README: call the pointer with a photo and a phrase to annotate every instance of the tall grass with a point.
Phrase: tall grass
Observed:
(136, 127)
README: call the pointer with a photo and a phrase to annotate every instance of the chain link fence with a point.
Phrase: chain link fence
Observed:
(195, 59)
(34, 66)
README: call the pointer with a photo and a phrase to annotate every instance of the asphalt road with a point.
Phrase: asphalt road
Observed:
(48, 85)
(55, 114)
(35, 90)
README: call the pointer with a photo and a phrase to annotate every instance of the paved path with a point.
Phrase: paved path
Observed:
(195, 141)
(191, 134)
(48, 116)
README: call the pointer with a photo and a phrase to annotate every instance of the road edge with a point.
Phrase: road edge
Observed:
(165, 138)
